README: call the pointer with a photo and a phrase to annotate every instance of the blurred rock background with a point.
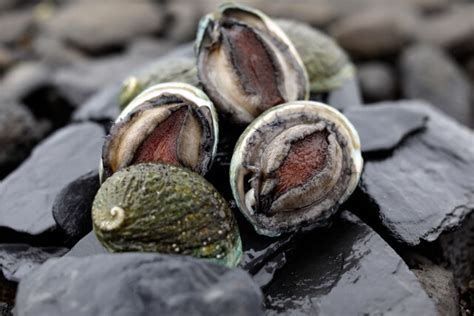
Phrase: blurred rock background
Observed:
(55, 54)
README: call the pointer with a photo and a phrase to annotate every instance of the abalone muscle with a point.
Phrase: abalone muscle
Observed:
(294, 165)
(173, 123)
(247, 64)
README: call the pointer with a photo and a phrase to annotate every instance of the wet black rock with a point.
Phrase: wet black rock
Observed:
(27, 194)
(72, 206)
(100, 26)
(19, 132)
(377, 81)
(381, 127)
(346, 270)
(18, 260)
(89, 245)
(428, 73)
(5, 309)
(138, 284)
(425, 187)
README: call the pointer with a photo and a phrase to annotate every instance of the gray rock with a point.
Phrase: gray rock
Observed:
(377, 82)
(55, 53)
(382, 127)
(453, 30)
(136, 284)
(89, 245)
(6, 58)
(439, 285)
(72, 206)
(428, 73)
(81, 80)
(25, 78)
(346, 270)
(14, 26)
(102, 106)
(19, 132)
(96, 26)
(375, 32)
(18, 260)
(347, 96)
(27, 194)
(184, 19)
(425, 187)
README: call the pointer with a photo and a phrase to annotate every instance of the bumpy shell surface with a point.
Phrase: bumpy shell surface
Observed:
(179, 68)
(246, 63)
(144, 130)
(293, 167)
(327, 64)
(166, 209)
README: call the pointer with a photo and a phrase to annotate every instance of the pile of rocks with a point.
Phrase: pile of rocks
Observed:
(403, 243)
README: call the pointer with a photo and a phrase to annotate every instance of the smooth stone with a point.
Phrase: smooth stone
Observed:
(18, 260)
(15, 26)
(103, 106)
(81, 80)
(375, 32)
(89, 245)
(24, 78)
(377, 81)
(19, 132)
(452, 30)
(383, 126)
(346, 96)
(425, 187)
(72, 206)
(346, 270)
(97, 26)
(428, 73)
(136, 284)
(27, 194)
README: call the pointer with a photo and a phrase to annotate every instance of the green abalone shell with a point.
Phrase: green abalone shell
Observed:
(166, 209)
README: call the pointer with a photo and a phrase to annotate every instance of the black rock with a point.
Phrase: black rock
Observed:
(426, 186)
(89, 245)
(72, 206)
(27, 194)
(382, 126)
(17, 260)
(346, 270)
(428, 73)
(136, 284)
(377, 81)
